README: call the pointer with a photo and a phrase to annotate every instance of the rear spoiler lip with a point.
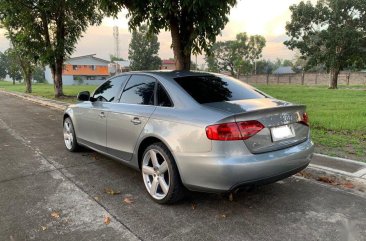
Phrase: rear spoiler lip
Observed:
(266, 111)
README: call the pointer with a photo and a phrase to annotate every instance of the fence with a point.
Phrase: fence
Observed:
(344, 78)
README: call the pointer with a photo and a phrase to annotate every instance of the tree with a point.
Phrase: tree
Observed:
(265, 67)
(23, 52)
(143, 50)
(21, 55)
(236, 55)
(212, 63)
(13, 68)
(193, 25)
(3, 62)
(38, 75)
(53, 26)
(115, 58)
(287, 62)
(332, 32)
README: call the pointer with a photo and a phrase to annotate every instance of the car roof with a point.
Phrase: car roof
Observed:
(172, 74)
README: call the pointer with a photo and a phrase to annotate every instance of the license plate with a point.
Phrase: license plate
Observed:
(282, 132)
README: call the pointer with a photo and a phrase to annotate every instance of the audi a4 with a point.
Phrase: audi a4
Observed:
(191, 131)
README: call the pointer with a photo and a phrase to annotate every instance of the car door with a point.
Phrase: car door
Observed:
(92, 121)
(130, 115)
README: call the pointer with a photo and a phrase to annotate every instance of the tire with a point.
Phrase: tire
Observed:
(69, 136)
(160, 175)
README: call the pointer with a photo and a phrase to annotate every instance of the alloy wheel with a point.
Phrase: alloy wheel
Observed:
(68, 134)
(156, 174)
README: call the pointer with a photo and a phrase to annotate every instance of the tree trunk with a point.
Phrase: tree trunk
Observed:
(302, 77)
(182, 58)
(27, 74)
(333, 78)
(58, 79)
(60, 49)
(316, 78)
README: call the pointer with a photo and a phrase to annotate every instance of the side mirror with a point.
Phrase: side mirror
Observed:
(84, 96)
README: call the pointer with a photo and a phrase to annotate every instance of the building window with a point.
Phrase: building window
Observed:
(74, 67)
(90, 77)
(93, 67)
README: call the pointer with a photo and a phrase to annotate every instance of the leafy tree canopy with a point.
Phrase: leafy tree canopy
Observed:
(115, 58)
(143, 50)
(236, 55)
(331, 32)
(3, 61)
(194, 25)
(49, 28)
(12, 65)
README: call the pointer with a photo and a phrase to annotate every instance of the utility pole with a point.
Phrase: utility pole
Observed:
(116, 41)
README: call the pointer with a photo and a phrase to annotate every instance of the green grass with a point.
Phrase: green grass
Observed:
(46, 90)
(337, 117)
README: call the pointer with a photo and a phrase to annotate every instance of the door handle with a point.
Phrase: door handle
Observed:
(102, 115)
(136, 121)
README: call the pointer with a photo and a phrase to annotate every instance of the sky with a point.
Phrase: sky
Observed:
(265, 17)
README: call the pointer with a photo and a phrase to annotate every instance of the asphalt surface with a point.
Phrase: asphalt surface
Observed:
(47, 193)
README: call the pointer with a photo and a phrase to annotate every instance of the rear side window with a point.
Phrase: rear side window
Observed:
(163, 97)
(210, 88)
(139, 90)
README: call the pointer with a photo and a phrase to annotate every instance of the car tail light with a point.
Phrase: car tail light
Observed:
(249, 128)
(305, 118)
(233, 130)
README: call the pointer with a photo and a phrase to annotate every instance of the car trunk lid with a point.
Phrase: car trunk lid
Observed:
(283, 122)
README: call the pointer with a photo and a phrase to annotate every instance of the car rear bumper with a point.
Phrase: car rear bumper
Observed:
(222, 173)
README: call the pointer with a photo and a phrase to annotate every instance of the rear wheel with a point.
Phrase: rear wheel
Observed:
(69, 135)
(160, 175)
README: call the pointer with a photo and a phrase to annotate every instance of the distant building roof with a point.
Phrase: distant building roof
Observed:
(123, 63)
(284, 70)
(168, 61)
(89, 56)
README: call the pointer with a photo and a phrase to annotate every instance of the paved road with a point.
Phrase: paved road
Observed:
(39, 177)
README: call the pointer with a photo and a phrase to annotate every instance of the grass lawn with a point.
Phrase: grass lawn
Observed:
(337, 117)
(46, 90)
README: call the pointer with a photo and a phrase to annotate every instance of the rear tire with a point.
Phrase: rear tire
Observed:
(160, 175)
(70, 136)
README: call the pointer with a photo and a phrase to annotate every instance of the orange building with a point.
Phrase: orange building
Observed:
(86, 69)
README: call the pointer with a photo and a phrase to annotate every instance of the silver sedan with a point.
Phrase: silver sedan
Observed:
(191, 131)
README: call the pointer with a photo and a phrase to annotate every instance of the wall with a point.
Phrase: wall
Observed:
(355, 78)
(167, 67)
(85, 70)
(69, 79)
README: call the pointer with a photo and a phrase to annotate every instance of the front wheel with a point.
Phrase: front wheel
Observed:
(69, 135)
(160, 175)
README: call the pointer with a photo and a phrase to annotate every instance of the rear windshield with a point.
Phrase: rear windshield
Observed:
(208, 89)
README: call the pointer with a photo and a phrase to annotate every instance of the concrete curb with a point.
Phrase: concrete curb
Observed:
(59, 105)
(334, 178)
(317, 170)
